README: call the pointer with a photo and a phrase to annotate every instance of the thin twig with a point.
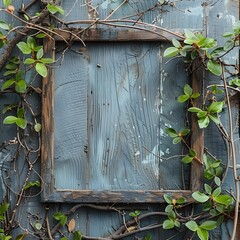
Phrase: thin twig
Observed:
(233, 157)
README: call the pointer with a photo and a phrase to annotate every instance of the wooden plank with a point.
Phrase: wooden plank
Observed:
(97, 196)
(47, 148)
(113, 34)
(197, 136)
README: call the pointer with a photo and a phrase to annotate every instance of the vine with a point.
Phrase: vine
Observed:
(217, 205)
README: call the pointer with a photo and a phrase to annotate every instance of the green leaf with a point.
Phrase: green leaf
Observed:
(171, 52)
(21, 86)
(228, 34)
(38, 225)
(200, 197)
(189, 34)
(202, 114)
(31, 42)
(192, 225)
(217, 192)
(217, 180)
(7, 84)
(176, 43)
(187, 159)
(214, 67)
(208, 189)
(54, 9)
(171, 215)
(215, 119)
(171, 132)
(40, 53)
(37, 127)
(3, 208)
(216, 107)
(41, 69)
(20, 113)
(182, 98)
(168, 224)
(235, 82)
(10, 120)
(176, 140)
(202, 234)
(41, 35)
(32, 184)
(192, 153)
(228, 45)
(194, 109)
(47, 60)
(21, 122)
(168, 199)
(77, 235)
(195, 95)
(223, 199)
(20, 237)
(181, 200)
(135, 214)
(7, 2)
(10, 72)
(208, 225)
(4, 25)
(184, 131)
(168, 208)
(177, 224)
(188, 90)
(24, 48)
(26, 17)
(29, 61)
(148, 237)
(11, 66)
(203, 122)
(60, 217)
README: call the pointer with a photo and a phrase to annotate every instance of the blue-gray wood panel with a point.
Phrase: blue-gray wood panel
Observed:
(112, 106)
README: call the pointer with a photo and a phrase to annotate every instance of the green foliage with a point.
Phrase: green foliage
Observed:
(60, 217)
(177, 136)
(202, 229)
(36, 59)
(189, 158)
(77, 235)
(53, 9)
(32, 184)
(7, 2)
(3, 210)
(20, 122)
(135, 214)
(188, 94)
(211, 113)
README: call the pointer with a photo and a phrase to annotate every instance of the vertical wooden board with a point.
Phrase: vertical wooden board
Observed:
(124, 117)
(70, 122)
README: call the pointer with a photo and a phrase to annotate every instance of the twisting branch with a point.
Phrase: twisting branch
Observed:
(18, 37)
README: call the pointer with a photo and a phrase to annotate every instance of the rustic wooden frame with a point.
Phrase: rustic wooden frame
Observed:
(50, 193)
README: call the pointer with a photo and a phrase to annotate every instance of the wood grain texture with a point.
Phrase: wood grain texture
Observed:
(47, 149)
(111, 35)
(112, 106)
(197, 136)
(178, 15)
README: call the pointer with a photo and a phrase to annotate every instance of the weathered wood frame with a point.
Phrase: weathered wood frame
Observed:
(50, 193)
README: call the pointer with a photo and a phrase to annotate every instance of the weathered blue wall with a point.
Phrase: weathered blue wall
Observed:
(210, 17)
